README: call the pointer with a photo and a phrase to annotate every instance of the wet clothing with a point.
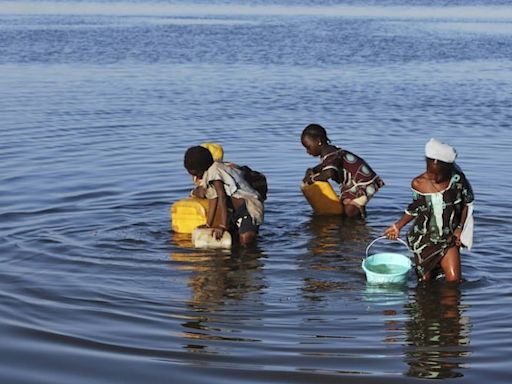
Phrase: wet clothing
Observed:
(358, 182)
(436, 216)
(236, 186)
(242, 221)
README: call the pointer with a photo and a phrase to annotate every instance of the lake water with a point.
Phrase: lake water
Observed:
(99, 101)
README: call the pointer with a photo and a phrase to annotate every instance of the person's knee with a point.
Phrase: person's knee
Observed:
(247, 238)
(452, 278)
(452, 273)
(352, 211)
(426, 277)
(451, 265)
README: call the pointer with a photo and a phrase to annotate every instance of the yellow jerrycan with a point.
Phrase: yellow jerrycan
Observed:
(189, 213)
(322, 198)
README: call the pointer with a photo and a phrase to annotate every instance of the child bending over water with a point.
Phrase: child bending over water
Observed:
(256, 179)
(442, 209)
(218, 155)
(358, 182)
(240, 205)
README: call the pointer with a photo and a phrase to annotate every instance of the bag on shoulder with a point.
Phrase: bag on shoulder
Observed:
(257, 180)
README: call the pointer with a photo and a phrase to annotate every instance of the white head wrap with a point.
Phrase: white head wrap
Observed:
(437, 150)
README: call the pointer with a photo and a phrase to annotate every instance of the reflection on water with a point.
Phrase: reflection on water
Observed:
(428, 321)
(386, 294)
(437, 332)
(334, 254)
(329, 233)
(218, 278)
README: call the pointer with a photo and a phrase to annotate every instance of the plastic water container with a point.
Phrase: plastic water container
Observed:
(322, 198)
(202, 238)
(187, 214)
(386, 267)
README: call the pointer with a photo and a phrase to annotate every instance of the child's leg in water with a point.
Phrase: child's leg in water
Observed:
(242, 223)
(351, 210)
(247, 238)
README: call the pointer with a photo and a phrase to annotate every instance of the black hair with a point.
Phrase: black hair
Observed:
(445, 169)
(198, 159)
(316, 131)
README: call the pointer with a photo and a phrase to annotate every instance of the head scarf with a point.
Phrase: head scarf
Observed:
(437, 150)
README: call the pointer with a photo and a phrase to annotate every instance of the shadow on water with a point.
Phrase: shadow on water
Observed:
(437, 332)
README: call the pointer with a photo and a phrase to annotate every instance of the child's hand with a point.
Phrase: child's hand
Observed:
(307, 180)
(307, 176)
(199, 192)
(392, 232)
(217, 232)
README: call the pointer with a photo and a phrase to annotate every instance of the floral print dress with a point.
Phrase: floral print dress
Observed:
(355, 176)
(436, 216)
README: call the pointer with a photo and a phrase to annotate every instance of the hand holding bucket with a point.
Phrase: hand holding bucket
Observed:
(386, 267)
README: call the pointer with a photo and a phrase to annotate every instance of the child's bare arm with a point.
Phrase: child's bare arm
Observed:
(212, 210)
(221, 205)
(320, 176)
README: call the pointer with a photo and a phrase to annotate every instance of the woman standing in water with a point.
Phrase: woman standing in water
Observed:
(442, 209)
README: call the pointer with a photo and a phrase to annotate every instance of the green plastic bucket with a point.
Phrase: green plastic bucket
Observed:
(386, 267)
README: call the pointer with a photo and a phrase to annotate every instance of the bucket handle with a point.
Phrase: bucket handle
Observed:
(384, 237)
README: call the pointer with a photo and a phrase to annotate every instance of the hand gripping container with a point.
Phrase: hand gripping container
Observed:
(386, 267)
(322, 198)
(203, 238)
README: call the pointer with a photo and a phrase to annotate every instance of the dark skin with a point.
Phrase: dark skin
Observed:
(317, 147)
(435, 179)
(221, 203)
(198, 191)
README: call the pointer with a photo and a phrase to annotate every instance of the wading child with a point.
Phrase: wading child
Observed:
(256, 180)
(442, 210)
(239, 204)
(358, 182)
(218, 155)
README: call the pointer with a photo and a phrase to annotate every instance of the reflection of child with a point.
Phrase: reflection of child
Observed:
(239, 204)
(358, 182)
(442, 209)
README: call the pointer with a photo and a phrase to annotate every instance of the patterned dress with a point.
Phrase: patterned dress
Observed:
(436, 216)
(357, 179)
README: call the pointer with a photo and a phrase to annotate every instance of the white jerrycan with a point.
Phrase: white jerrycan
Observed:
(203, 238)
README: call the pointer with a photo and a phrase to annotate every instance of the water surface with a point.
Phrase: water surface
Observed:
(100, 100)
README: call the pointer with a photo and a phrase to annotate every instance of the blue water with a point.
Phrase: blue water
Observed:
(99, 101)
